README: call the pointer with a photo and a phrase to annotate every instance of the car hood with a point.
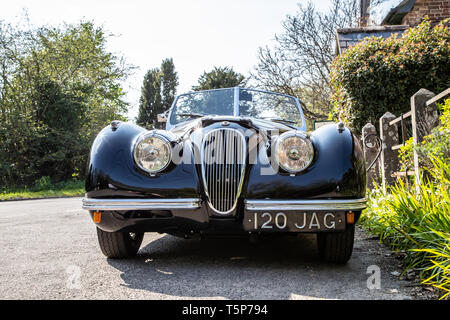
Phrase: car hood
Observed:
(246, 122)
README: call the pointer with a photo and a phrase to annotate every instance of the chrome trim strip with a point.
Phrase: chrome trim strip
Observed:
(285, 205)
(236, 101)
(139, 204)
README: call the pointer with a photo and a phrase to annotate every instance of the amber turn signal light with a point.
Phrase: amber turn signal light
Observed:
(350, 217)
(97, 216)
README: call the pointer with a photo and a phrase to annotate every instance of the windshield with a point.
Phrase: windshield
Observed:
(214, 102)
(251, 103)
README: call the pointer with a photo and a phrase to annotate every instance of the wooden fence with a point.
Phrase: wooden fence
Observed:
(382, 153)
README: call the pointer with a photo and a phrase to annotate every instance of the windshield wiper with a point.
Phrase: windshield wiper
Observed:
(192, 115)
(280, 120)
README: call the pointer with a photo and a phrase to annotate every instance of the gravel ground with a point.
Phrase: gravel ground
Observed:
(49, 250)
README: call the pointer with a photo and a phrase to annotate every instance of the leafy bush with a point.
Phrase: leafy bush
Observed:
(416, 219)
(59, 88)
(379, 75)
(43, 183)
(417, 223)
(437, 144)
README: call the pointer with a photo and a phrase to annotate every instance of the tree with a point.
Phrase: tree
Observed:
(150, 103)
(219, 78)
(157, 94)
(299, 64)
(169, 83)
(59, 87)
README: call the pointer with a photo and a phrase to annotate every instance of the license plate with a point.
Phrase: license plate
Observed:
(294, 221)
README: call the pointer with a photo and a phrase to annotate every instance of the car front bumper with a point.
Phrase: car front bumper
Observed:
(139, 204)
(193, 203)
(310, 204)
(189, 215)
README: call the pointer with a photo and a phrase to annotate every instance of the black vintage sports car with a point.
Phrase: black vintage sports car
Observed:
(231, 161)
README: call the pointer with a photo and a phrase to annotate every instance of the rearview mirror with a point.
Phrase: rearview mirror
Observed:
(245, 96)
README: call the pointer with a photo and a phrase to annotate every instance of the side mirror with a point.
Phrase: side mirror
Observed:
(162, 117)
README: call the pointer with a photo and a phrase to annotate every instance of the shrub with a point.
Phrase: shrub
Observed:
(417, 223)
(43, 183)
(379, 75)
(59, 87)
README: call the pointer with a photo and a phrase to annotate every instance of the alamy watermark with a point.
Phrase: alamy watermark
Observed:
(374, 280)
(73, 279)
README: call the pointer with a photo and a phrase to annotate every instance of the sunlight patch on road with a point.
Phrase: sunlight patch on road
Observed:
(164, 272)
(294, 296)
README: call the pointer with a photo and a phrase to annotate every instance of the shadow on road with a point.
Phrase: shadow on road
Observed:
(233, 268)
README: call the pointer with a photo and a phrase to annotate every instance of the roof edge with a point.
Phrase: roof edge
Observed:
(373, 29)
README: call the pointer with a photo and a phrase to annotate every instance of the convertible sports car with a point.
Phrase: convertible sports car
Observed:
(230, 162)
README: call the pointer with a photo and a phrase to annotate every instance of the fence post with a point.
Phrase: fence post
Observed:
(424, 119)
(389, 157)
(370, 153)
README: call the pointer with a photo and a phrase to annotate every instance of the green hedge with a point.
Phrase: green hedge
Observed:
(379, 75)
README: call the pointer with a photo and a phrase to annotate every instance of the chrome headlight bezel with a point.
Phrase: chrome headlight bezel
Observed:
(156, 135)
(299, 135)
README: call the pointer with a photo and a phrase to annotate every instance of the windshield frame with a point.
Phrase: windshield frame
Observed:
(170, 125)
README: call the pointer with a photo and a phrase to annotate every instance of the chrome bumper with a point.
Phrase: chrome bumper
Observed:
(286, 205)
(193, 203)
(139, 204)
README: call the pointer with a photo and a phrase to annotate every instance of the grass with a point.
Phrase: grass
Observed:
(45, 189)
(417, 223)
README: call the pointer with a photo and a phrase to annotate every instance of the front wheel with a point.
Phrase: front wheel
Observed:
(119, 245)
(336, 247)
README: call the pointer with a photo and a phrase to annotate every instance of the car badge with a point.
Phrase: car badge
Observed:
(225, 123)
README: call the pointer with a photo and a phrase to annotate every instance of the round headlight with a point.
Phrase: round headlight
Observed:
(152, 153)
(294, 152)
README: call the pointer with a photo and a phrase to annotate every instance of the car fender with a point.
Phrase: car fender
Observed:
(337, 171)
(112, 172)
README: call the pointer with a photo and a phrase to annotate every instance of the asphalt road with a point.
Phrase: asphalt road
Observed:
(49, 250)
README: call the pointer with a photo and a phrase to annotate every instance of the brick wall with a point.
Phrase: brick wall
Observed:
(436, 10)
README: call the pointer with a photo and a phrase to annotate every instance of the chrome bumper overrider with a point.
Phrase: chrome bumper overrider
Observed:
(139, 204)
(285, 205)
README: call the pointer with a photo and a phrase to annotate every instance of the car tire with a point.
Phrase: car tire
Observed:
(336, 247)
(119, 245)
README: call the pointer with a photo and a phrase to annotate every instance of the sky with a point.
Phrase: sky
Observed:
(197, 34)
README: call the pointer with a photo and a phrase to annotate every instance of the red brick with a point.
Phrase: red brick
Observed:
(436, 10)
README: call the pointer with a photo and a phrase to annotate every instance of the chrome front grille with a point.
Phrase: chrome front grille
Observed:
(223, 166)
